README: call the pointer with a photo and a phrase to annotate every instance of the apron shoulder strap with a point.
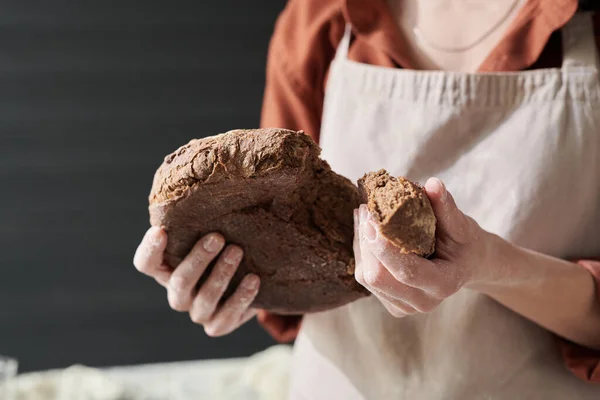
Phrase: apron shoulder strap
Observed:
(342, 50)
(579, 42)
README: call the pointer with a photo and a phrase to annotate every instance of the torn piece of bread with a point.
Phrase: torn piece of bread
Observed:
(402, 209)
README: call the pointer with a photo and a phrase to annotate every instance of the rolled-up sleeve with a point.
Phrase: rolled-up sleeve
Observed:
(582, 361)
(283, 328)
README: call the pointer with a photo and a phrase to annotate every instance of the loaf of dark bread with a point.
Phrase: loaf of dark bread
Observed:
(268, 191)
(402, 209)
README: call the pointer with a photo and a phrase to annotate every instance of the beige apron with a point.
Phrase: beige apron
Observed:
(521, 154)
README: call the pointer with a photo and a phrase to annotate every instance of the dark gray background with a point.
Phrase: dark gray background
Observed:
(93, 94)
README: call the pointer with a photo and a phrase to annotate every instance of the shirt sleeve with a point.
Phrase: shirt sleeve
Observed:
(300, 52)
(582, 361)
(283, 328)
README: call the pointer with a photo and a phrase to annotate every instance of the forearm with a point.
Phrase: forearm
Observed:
(556, 294)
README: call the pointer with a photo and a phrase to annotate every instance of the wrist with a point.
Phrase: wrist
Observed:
(493, 270)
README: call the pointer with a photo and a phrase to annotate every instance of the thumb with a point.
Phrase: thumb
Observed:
(450, 220)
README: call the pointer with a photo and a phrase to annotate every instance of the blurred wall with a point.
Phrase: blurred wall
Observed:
(93, 94)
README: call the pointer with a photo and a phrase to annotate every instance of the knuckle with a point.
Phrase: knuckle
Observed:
(396, 311)
(212, 291)
(180, 282)
(140, 264)
(214, 330)
(245, 299)
(230, 265)
(405, 275)
(409, 311)
(161, 281)
(144, 264)
(140, 267)
(177, 303)
(203, 305)
(221, 277)
(424, 307)
(374, 275)
(404, 308)
(443, 291)
(224, 276)
(370, 278)
(210, 331)
(199, 259)
(174, 305)
(249, 288)
(198, 318)
(427, 306)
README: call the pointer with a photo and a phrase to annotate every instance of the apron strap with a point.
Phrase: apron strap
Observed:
(579, 43)
(342, 50)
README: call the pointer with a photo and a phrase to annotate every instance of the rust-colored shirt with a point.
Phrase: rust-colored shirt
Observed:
(303, 45)
(308, 32)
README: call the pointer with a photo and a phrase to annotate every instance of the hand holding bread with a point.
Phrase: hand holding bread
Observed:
(391, 265)
(204, 304)
(252, 208)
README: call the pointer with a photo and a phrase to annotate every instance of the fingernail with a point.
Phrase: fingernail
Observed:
(363, 212)
(444, 192)
(251, 282)
(370, 231)
(213, 243)
(154, 236)
(233, 255)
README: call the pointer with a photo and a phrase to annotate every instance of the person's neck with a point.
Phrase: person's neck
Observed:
(454, 35)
